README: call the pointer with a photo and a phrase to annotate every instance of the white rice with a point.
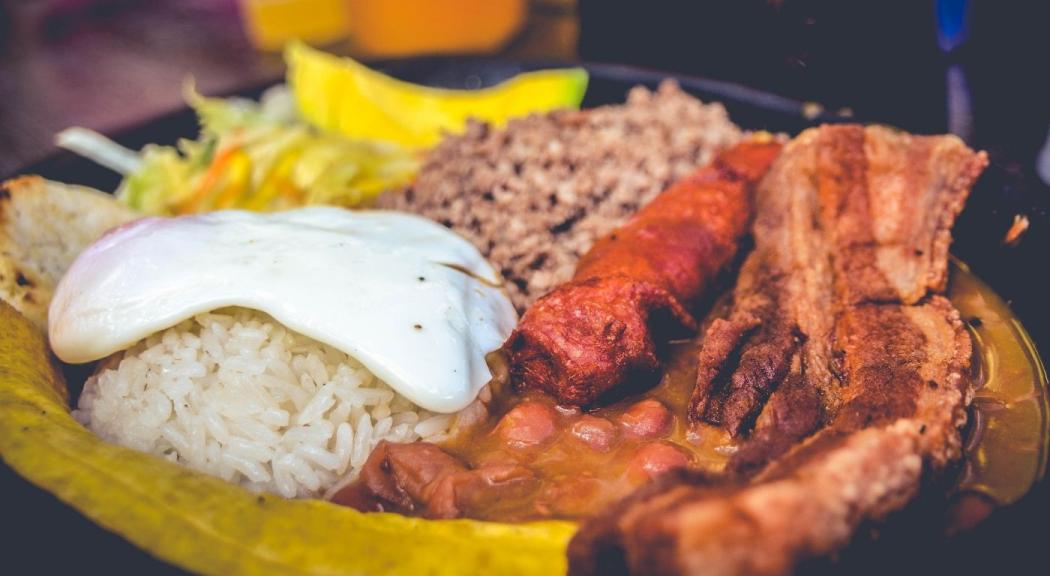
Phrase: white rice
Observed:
(236, 395)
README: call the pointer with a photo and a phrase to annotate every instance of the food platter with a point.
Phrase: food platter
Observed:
(997, 198)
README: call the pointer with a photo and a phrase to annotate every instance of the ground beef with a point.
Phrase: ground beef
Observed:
(535, 195)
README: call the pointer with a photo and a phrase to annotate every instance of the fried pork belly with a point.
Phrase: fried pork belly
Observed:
(839, 367)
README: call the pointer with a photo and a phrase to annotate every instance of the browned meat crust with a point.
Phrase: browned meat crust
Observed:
(839, 366)
(849, 219)
(638, 284)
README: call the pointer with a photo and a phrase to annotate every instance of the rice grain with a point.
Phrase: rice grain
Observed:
(235, 395)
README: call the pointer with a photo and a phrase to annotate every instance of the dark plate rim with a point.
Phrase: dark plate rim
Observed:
(612, 71)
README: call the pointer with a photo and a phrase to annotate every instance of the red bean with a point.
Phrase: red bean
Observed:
(646, 419)
(527, 424)
(656, 458)
(598, 433)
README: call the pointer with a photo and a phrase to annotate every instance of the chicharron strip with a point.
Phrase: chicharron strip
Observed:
(839, 367)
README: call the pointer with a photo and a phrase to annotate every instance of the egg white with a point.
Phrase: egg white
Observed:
(416, 304)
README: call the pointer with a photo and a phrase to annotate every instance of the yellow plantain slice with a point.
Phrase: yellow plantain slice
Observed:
(206, 525)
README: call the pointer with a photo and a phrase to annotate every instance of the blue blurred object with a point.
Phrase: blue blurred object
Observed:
(952, 23)
(952, 31)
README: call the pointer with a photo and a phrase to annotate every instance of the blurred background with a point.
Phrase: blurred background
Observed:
(975, 67)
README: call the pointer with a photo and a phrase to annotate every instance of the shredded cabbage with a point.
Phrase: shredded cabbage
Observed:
(251, 155)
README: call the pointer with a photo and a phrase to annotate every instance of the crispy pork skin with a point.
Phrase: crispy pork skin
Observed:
(638, 285)
(839, 367)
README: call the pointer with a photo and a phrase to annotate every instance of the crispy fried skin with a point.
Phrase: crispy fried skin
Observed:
(839, 365)
(850, 217)
(636, 287)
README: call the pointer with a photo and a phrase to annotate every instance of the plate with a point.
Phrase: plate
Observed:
(49, 537)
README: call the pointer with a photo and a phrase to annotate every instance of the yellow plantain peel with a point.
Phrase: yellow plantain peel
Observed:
(206, 525)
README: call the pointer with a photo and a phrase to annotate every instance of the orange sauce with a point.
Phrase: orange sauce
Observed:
(572, 479)
(1009, 432)
(1007, 448)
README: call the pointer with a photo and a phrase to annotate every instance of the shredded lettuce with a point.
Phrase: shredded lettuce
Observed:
(252, 155)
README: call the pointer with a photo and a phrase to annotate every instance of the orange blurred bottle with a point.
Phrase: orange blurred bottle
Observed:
(389, 28)
(272, 23)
